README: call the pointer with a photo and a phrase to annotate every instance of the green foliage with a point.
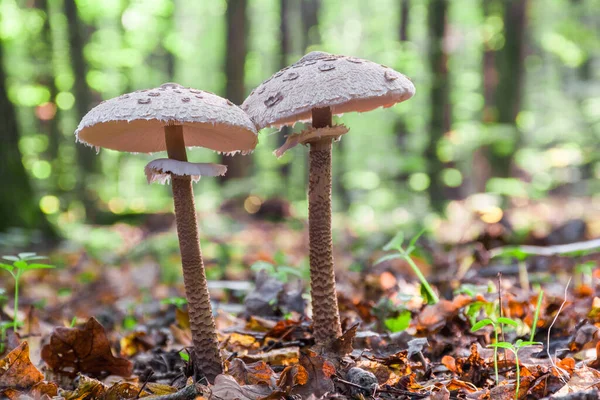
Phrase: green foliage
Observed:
(536, 315)
(20, 264)
(178, 302)
(514, 348)
(399, 323)
(396, 244)
(282, 273)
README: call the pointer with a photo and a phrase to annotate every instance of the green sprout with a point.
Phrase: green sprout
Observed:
(497, 324)
(280, 272)
(3, 328)
(20, 264)
(402, 253)
(178, 302)
(514, 348)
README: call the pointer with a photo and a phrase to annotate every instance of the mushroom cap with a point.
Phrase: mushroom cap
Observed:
(319, 79)
(134, 122)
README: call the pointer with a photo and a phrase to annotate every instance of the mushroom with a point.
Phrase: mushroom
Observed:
(316, 87)
(170, 118)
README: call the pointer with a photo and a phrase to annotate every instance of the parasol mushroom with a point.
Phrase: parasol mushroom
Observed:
(170, 118)
(316, 87)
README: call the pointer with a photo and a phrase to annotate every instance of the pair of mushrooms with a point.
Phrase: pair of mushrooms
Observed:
(173, 117)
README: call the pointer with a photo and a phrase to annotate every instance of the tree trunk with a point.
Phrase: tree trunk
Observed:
(86, 156)
(404, 18)
(44, 56)
(440, 107)
(238, 166)
(18, 203)
(510, 64)
(310, 20)
(399, 125)
(285, 49)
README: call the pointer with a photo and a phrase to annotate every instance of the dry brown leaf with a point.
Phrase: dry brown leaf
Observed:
(319, 372)
(582, 379)
(134, 343)
(292, 376)
(86, 349)
(88, 388)
(251, 374)
(284, 356)
(341, 346)
(227, 388)
(17, 371)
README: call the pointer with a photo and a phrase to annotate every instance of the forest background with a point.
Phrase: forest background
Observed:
(507, 110)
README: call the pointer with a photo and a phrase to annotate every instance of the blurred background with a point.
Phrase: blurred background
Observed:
(506, 115)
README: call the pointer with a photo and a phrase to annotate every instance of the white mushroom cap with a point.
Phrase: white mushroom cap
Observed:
(319, 79)
(134, 122)
(161, 169)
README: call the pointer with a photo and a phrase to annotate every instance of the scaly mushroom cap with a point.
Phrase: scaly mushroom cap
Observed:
(134, 122)
(319, 79)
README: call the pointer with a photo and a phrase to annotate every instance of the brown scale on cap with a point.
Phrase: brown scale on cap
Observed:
(323, 85)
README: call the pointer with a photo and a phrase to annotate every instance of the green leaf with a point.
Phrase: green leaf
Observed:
(481, 324)
(520, 343)
(7, 267)
(388, 257)
(20, 264)
(38, 266)
(502, 345)
(24, 256)
(184, 356)
(290, 270)
(11, 258)
(413, 241)
(508, 321)
(35, 258)
(263, 265)
(400, 323)
(396, 242)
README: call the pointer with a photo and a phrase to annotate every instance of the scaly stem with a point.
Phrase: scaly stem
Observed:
(206, 356)
(326, 317)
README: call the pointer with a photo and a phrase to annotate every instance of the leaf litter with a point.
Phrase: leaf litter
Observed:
(125, 343)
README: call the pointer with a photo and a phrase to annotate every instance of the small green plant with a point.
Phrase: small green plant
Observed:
(514, 348)
(3, 328)
(402, 253)
(280, 272)
(178, 302)
(399, 323)
(497, 324)
(584, 273)
(20, 264)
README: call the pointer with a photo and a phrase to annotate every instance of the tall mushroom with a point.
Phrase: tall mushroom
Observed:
(316, 87)
(170, 118)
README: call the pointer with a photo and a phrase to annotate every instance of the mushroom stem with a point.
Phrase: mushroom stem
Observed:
(326, 317)
(206, 357)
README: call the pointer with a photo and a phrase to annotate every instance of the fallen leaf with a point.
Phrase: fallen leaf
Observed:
(319, 373)
(17, 371)
(88, 388)
(251, 374)
(582, 379)
(227, 388)
(86, 349)
(342, 345)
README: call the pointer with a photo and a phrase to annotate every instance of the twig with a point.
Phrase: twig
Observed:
(550, 330)
(550, 250)
(144, 384)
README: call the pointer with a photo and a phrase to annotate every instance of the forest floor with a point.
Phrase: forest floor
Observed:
(110, 320)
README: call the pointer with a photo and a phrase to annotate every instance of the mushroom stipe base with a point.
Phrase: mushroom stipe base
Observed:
(206, 356)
